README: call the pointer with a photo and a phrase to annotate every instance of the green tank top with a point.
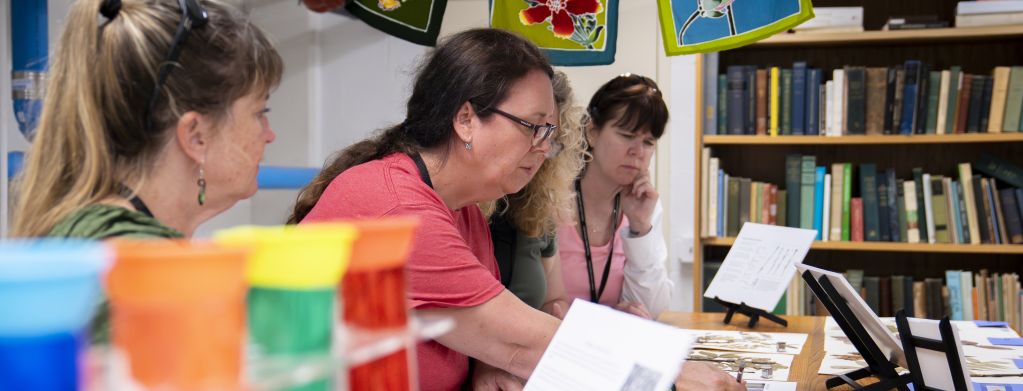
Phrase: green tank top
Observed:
(108, 221)
(101, 222)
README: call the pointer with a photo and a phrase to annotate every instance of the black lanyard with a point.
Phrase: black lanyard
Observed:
(595, 293)
(136, 202)
(421, 166)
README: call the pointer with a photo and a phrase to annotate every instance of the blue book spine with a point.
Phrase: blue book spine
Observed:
(909, 97)
(813, 92)
(736, 109)
(799, 98)
(994, 218)
(721, 202)
(955, 293)
(1019, 202)
(818, 200)
(956, 223)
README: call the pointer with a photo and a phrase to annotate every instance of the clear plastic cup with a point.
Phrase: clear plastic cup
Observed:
(48, 292)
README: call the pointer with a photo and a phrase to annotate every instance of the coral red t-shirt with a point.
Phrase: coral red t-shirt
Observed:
(452, 261)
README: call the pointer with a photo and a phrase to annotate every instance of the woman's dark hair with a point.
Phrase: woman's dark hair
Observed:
(635, 100)
(477, 66)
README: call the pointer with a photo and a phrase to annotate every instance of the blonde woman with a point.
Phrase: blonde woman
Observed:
(154, 121)
(523, 225)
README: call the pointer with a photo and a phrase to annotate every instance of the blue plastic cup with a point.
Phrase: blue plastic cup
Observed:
(48, 292)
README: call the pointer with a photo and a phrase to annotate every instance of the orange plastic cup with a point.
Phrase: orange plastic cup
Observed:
(376, 272)
(178, 313)
(383, 243)
(373, 293)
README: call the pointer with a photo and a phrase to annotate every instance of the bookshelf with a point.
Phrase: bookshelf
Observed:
(894, 36)
(762, 158)
(710, 140)
(899, 247)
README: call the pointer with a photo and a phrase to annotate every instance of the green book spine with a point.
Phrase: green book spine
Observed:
(807, 186)
(780, 214)
(846, 199)
(793, 176)
(744, 203)
(782, 305)
(732, 229)
(1014, 101)
(758, 202)
(786, 101)
(722, 104)
(953, 92)
(872, 285)
(1000, 169)
(868, 190)
(932, 102)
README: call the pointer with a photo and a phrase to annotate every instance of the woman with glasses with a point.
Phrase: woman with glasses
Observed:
(523, 224)
(477, 127)
(154, 120)
(612, 250)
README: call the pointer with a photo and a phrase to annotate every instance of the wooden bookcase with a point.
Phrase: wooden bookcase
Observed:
(762, 158)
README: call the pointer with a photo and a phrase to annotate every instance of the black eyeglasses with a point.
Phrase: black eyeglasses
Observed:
(540, 132)
(193, 16)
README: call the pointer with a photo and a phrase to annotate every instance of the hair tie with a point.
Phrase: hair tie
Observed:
(110, 8)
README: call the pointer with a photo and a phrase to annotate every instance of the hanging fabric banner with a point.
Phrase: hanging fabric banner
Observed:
(699, 26)
(416, 21)
(572, 32)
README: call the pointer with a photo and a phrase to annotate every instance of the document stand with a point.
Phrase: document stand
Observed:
(754, 314)
(946, 345)
(877, 365)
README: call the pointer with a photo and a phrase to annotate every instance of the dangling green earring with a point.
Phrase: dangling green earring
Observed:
(202, 187)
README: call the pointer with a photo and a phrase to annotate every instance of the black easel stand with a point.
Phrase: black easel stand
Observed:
(877, 365)
(947, 344)
(754, 314)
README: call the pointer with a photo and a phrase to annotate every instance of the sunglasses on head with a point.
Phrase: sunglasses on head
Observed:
(193, 16)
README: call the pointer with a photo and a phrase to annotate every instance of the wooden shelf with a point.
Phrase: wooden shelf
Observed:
(864, 139)
(896, 247)
(895, 36)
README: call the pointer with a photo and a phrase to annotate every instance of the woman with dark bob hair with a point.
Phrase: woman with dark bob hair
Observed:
(477, 127)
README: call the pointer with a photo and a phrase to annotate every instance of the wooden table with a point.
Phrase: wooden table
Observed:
(804, 366)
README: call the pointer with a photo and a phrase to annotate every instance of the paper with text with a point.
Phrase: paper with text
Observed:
(599, 348)
(760, 265)
(770, 386)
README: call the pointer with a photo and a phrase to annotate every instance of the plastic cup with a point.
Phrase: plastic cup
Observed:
(373, 291)
(48, 292)
(178, 313)
(293, 272)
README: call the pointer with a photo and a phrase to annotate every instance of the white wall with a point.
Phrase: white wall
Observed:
(344, 79)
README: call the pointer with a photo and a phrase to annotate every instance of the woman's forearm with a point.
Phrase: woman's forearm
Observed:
(504, 332)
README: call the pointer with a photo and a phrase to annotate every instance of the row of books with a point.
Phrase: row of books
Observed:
(905, 99)
(962, 295)
(871, 204)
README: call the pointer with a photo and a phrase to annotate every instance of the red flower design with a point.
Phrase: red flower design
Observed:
(560, 14)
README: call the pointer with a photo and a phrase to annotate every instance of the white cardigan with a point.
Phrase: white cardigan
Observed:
(646, 278)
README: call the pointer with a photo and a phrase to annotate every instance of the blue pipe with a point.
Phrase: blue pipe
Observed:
(276, 177)
(15, 160)
(29, 43)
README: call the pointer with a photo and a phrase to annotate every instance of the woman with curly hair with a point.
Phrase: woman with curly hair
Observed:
(523, 224)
